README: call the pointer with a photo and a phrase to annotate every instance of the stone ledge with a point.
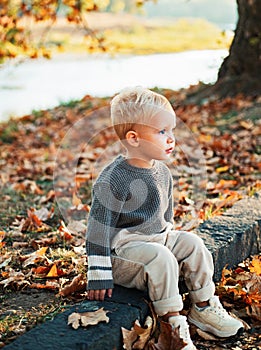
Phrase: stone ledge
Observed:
(235, 235)
(231, 238)
(124, 308)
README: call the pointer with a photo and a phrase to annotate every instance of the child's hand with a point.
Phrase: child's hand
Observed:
(99, 294)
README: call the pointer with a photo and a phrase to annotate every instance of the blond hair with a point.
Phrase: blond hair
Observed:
(135, 105)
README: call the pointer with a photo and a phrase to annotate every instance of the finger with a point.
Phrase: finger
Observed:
(109, 293)
(97, 295)
(102, 294)
(91, 294)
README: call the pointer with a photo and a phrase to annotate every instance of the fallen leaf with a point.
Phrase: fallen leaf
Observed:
(65, 233)
(76, 200)
(129, 337)
(16, 278)
(34, 257)
(206, 335)
(143, 333)
(53, 272)
(255, 265)
(78, 284)
(48, 285)
(94, 317)
(169, 339)
(138, 336)
(74, 320)
(222, 169)
(90, 318)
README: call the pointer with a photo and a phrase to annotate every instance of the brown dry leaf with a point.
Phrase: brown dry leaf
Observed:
(129, 337)
(14, 277)
(65, 233)
(50, 285)
(78, 284)
(169, 339)
(35, 256)
(94, 317)
(254, 310)
(44, 214)
(143, 333)
(49, 197)
(206, 335)
(74, 320)
(28, 186)
(33, 222)
(138, 336)
(88, 318)
(44, 241)
(76, 200)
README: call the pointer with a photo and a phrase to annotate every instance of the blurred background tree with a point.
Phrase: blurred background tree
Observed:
(240, 71)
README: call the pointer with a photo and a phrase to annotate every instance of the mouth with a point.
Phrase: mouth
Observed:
(169, 150)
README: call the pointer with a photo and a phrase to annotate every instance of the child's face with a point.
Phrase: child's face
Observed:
(156, 139)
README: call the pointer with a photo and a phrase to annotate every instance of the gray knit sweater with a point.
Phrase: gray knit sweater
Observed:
(130, 198)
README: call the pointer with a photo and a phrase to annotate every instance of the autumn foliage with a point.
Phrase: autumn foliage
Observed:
(20, 19)
(17, 38)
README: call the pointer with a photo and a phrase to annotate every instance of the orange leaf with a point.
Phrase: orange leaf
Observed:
(65, 233)
(226, 184)
(40, 271)
(51, 286)
(76, 200)
(255, 266)
(53, 272)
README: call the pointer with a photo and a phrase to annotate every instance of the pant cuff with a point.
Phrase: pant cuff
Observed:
(203, 294)
(173, 304)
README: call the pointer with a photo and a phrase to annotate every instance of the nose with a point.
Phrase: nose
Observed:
(171, 138)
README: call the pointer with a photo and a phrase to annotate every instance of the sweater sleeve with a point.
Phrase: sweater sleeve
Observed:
(169, 214)
(101, 226)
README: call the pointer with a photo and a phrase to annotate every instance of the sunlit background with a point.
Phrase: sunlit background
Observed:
(168, 44)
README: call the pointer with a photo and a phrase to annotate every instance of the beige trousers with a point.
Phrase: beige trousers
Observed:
(157, 266)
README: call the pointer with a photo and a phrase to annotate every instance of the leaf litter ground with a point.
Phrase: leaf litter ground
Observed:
(43, 260)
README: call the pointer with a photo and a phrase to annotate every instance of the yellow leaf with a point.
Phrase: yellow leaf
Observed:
(222, 169)
(205, 138)
(255, 266)
(53, 272)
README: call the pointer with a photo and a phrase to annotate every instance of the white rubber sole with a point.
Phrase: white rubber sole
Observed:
(210, 329)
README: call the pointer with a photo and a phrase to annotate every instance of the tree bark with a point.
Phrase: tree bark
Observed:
(241, 70)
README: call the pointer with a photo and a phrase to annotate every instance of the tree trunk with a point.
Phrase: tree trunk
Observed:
(241, 70)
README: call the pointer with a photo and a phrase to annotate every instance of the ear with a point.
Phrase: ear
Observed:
(132, 138)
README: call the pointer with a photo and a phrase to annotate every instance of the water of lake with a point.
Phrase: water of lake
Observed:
(42, 84)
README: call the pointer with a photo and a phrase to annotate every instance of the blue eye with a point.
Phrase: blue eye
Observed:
(162, 132)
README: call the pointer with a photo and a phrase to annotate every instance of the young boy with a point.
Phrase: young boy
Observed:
(130, 236)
